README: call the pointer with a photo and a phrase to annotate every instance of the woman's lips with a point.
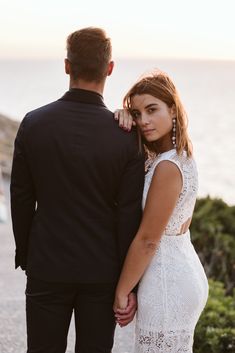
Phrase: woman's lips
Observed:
(147, 131)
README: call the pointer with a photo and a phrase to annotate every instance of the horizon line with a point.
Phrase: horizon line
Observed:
(136, 58)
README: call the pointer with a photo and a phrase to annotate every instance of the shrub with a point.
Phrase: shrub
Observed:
(215, 331)
(213, 235)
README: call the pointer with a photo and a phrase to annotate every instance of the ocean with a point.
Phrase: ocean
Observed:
(207, 90)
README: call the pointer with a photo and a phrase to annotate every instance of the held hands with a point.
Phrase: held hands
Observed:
(124, 118)
(125, 308)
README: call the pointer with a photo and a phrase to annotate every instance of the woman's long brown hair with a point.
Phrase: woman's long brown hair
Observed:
(159, 85)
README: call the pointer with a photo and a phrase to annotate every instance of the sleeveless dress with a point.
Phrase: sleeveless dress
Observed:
(174, 289)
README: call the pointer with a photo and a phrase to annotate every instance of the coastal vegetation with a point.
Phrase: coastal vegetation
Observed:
(213, 235)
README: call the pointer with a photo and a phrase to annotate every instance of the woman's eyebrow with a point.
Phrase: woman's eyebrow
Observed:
(150, 105)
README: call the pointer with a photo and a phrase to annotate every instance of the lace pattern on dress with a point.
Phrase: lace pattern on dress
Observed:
(164, 342)
(186, 202)
(174, 289)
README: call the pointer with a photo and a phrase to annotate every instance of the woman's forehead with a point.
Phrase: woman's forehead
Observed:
(140, 101)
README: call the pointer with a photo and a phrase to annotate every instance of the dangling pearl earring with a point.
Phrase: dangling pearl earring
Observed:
(174, 132)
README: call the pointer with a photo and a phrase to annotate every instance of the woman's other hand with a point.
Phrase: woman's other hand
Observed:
(124, 118)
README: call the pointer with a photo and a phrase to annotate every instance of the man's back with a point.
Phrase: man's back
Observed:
(76, 191)
(86, 176)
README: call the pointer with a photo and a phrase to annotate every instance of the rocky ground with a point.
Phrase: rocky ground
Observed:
(12, 307)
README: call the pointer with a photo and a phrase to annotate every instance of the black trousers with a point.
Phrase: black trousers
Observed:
(49, 307)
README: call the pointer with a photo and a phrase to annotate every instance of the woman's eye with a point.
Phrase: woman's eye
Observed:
(135, 115)
(151, 110)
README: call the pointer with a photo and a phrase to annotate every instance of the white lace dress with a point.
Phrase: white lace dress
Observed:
(174, 289)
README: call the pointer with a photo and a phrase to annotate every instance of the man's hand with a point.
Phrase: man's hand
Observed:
(125, 316)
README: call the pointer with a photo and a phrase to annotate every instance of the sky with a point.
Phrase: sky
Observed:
(194, 29)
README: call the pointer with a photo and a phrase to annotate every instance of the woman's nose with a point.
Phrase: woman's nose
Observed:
(145, 119)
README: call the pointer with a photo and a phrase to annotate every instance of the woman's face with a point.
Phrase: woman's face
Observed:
(153, 117)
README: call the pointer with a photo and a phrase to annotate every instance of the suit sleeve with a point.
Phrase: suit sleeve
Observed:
(23, 200)
(130, 201)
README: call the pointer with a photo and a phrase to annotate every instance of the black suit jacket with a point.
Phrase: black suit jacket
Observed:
(76, 189)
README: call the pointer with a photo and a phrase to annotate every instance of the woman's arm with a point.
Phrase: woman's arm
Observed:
(162, 197)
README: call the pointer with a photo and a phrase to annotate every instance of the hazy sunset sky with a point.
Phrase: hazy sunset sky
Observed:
(202, 29)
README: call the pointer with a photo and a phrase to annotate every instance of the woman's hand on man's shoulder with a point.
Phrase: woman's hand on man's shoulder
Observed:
(124, 119)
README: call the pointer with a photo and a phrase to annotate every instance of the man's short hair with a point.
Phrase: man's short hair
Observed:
(89, 52)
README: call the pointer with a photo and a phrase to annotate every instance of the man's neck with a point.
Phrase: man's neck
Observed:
(89, 86)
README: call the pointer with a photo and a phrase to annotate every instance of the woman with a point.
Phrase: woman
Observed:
(173, 287)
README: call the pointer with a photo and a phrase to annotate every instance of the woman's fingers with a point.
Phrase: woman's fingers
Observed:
(116, 114)
(127, 120)
(124, 118)
(121, 119)
(130, 123)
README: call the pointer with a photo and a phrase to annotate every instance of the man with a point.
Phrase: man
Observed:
(76, 190)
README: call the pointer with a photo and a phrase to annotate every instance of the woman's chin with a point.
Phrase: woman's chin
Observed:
(150, 139)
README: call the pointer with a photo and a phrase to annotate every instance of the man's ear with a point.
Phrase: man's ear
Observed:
(67, 66)
(110, 68)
